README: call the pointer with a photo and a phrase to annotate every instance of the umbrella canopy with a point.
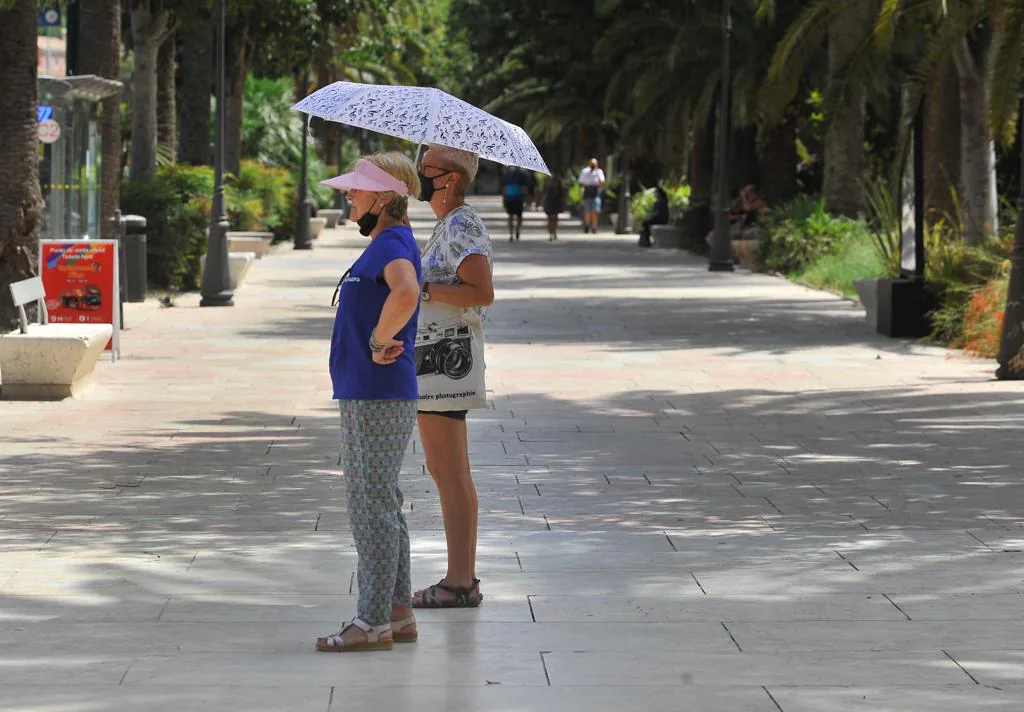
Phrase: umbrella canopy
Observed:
(424, 115)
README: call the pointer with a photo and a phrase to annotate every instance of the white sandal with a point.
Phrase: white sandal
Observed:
(378, 637)
(398, 630)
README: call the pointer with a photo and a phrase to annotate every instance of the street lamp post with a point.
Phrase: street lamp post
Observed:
(721, 247)
(216, 287)
(1011, 345)
(303, 241)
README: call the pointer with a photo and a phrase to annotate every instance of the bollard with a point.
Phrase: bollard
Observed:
(134, 254)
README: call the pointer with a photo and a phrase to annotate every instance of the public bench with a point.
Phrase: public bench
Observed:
(47, 361)
(316, 226)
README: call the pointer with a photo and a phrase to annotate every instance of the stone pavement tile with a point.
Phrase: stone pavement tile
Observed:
(952, 607)
(580, 543)
(80, 668)
(86, 607)
(688, 605)
(754, 669)
(22, 697)
(405, 667)
(991, 667)
(301, 608)
(503, 698)
(857, 636)
(898, 698)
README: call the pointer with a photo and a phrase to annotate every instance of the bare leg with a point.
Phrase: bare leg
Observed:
(446, 448)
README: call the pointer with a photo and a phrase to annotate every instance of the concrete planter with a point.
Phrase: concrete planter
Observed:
(238, 266)
(867, 290)
(746, 252)
(668, 237)
(332, 215)
(255, 242)
(316, 226)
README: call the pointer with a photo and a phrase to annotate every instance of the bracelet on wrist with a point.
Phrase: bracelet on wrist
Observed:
(375, 346)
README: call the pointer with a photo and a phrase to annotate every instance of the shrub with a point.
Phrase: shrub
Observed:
(641, 204)
(853, 259)
(958, 271)
(800, 232)
(177, 205)
(272, 188)
(983, 319)
(678, 202)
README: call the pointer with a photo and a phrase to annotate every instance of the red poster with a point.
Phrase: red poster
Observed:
(81, 282)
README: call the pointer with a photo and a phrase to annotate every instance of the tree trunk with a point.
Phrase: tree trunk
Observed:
(845, 158)
(167, 113)
(237, 70)
(21, 202)
(100, 54)
(197, 79)
(745, 170)
(942, 146)
(779, 160)
(149, 30)
(977, 148)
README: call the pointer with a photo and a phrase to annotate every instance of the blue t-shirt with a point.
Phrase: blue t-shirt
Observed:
(516, 183)
(353, 372)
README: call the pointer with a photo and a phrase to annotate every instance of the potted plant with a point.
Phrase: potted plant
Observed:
(673, 234)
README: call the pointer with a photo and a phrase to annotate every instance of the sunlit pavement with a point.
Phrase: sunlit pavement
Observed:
(709, 492)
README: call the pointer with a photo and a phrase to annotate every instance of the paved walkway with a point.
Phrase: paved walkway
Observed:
(699, 492)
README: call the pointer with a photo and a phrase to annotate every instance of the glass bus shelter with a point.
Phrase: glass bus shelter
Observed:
(69, 167)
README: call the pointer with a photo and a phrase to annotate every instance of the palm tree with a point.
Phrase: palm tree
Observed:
(21, 201)
(100, 54)
(152, 23)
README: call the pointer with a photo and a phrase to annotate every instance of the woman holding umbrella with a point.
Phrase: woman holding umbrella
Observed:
(373, 371)
(457, 271)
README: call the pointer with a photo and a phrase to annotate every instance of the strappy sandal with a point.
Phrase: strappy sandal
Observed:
(465, 596)
(398, 630)
(378, 637)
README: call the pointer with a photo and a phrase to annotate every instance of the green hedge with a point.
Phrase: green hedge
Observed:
(800, 232)
(177, 204)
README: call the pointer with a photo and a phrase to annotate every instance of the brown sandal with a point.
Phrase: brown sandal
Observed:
(398, 630)
(465, 597)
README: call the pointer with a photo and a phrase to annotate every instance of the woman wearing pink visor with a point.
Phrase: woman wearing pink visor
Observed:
(373, 370)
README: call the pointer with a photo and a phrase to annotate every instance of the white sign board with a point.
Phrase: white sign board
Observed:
(49, 131)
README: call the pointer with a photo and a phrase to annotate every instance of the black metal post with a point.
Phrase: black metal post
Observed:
(721, 247)
(919, 188)
(216, 287)
(622, 222)
(1011, 344)
(303, 241)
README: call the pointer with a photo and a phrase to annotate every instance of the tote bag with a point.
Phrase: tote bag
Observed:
(450, 358)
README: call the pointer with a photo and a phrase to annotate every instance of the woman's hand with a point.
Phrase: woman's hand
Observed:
(393, 348)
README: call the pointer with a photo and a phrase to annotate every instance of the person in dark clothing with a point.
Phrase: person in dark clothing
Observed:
(659, 216)
(554, 203)
(517, 189)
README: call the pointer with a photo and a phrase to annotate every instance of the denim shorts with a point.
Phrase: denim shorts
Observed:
(592, 205)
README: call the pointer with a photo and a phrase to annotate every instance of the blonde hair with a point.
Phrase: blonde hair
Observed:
(399, 166)
(465, 163)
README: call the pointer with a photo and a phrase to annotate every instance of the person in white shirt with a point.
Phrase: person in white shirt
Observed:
(592, 180)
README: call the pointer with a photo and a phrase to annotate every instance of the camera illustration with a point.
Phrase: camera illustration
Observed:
(444, 349)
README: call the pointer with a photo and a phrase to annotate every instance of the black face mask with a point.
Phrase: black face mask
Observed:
(367, 223)
(427, 188)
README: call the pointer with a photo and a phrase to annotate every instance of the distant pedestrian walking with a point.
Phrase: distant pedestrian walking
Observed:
(554, 203)
(518, 186)
(373, 370)
(592, 180)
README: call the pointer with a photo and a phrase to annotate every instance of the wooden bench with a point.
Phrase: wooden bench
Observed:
(47, 361)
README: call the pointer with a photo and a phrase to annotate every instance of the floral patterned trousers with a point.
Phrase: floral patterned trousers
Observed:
(374, 436)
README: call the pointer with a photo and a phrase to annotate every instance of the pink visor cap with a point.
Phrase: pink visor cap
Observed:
(367, 176)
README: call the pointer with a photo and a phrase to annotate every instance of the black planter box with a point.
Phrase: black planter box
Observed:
(905, 307)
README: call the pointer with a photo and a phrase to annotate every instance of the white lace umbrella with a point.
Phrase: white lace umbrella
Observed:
(424, 115)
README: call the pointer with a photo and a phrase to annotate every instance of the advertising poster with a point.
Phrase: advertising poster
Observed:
(81, 282)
